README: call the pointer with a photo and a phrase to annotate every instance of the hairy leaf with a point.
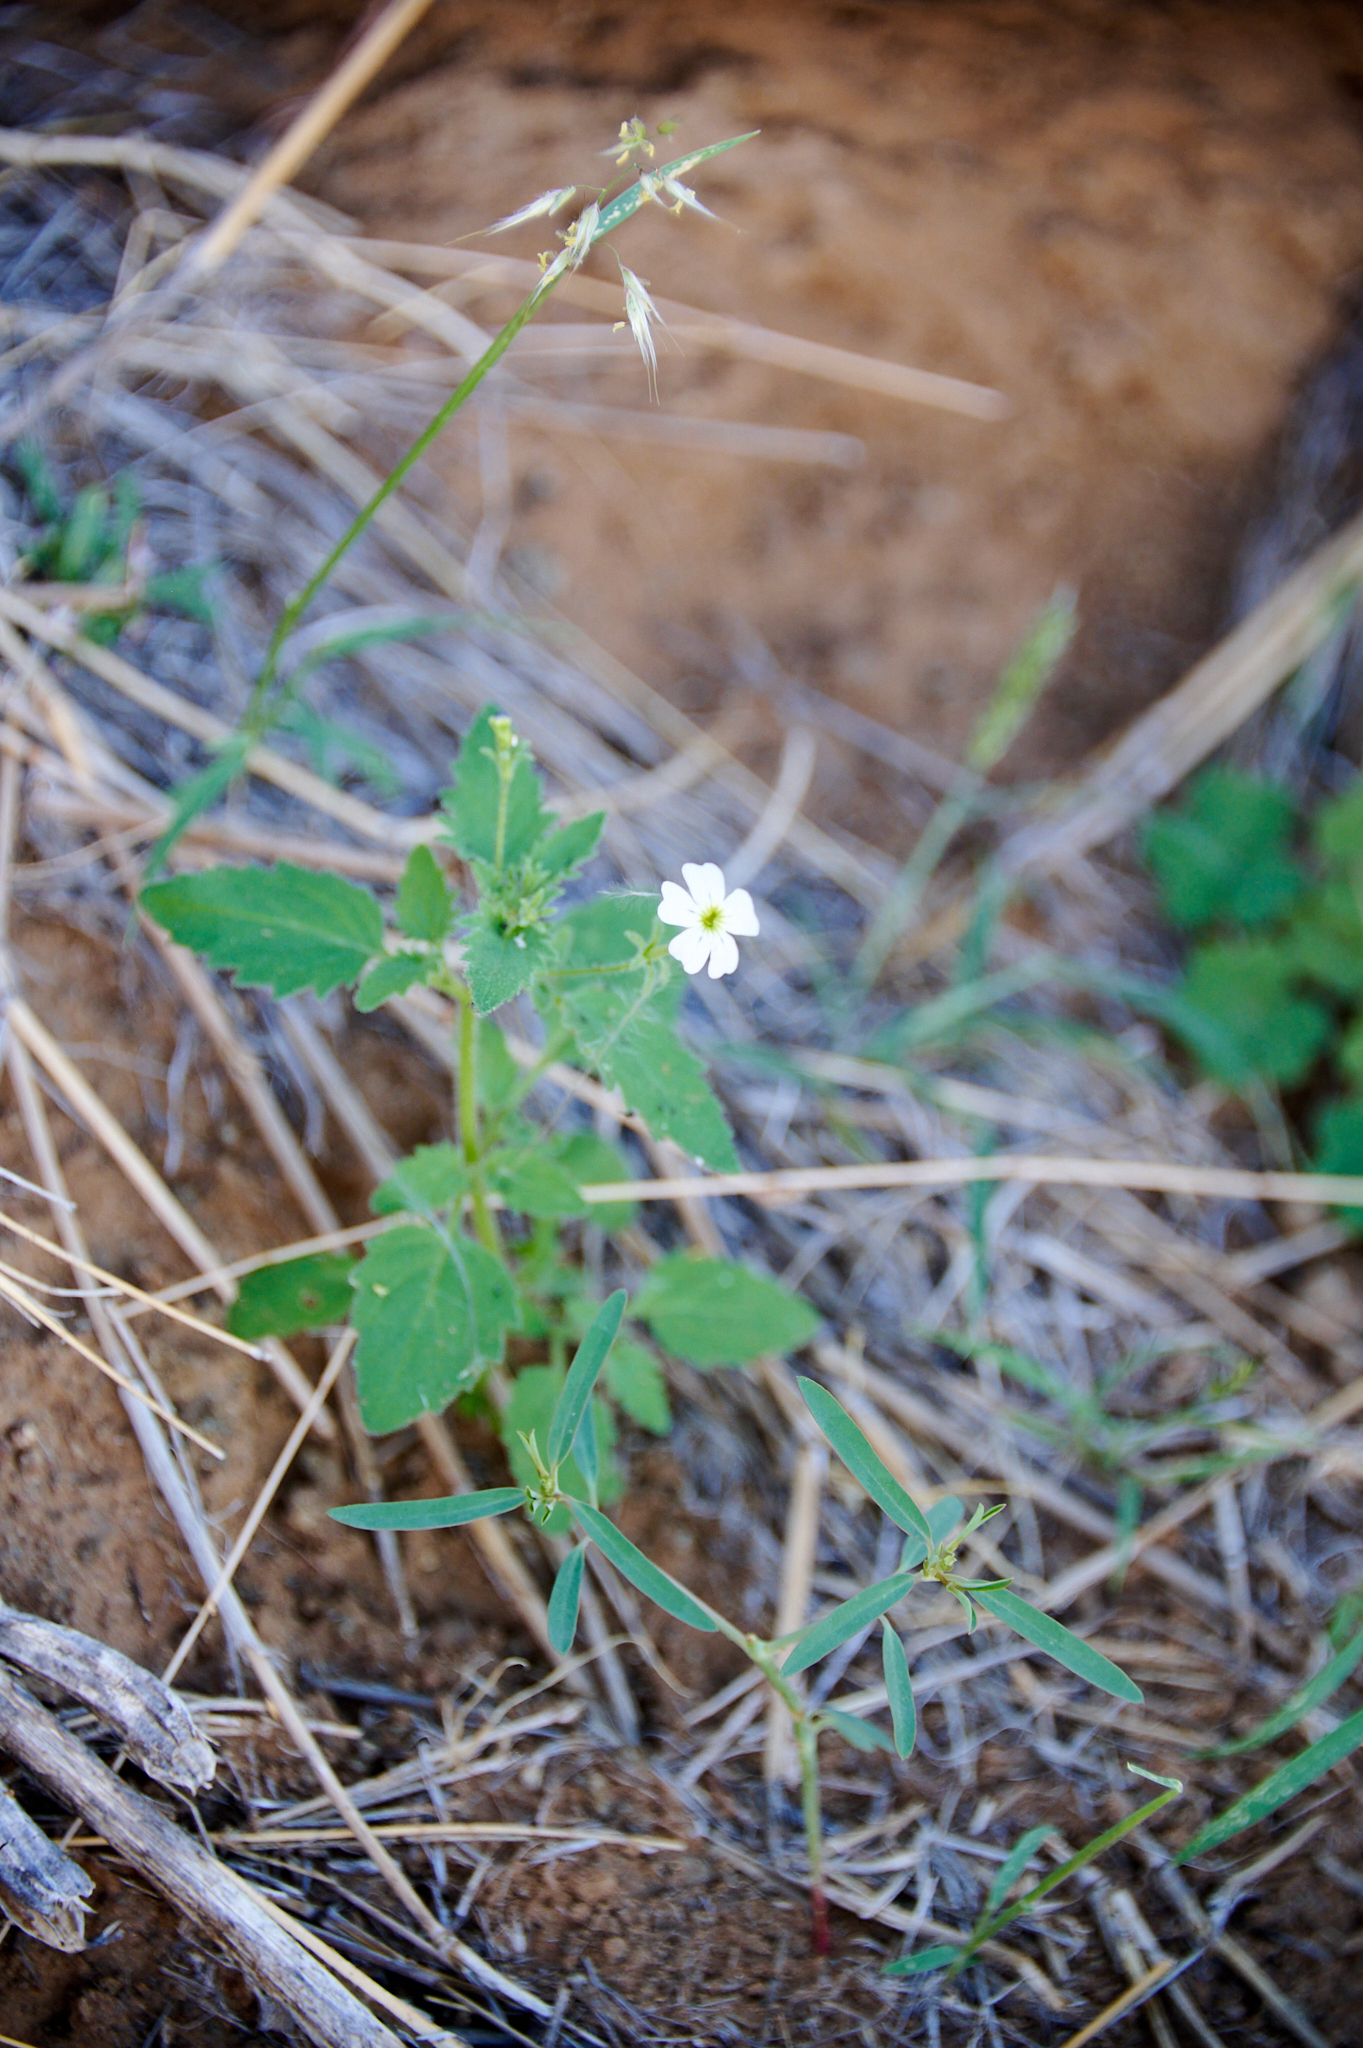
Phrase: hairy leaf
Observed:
(903, 1713)
(296, 1294)
(499, 964)
(424, 905)
(645, 1576)
(428, 1179)
(534, 1184)
(391, 976)
(1059, 1642)
(856, 1453)
(591, 1161)
(1225, 856)
(451, 1512)
(429, 1321)
(717, 1312)
(282, 928)
(470, 807)
(625, 1037)
(567, 848)
(565, 1599)
(1245, 988)
(847, 1620)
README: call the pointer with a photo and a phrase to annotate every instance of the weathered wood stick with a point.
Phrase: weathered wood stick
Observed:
(205, 1891)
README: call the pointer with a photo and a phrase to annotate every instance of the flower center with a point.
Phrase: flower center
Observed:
(712, 918)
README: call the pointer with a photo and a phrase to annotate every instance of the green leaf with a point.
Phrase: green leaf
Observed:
(625, 1037)
(499, 964)
(717, 1312)
(1280, 1786)
(608, 931)
(587, 1454)
(1225, 855)
(428, 1179)
(181, 590)
(470, 807)
(392, 976)
(592, 1161)
(534, 1396)
(567, 849)
(1324, 941)
(190, 798)
(942, 1518)
(1059, 1642)
(847, 1620)
(565, 1599)
(334, 746)
(1013, 1865)
(875, 1477)
(1244, 988)
(424, 905)
(938, 1958)
(534, 1184)
(582, 1376)
(635, 1381)
(296, 1294)
(1339, 1146)
(903, 1713)
(1304, 1701)
(642, 1573)
(282, 928)
(862, 1735)
(449, 1513)
(430, 1318)
(1337, 827)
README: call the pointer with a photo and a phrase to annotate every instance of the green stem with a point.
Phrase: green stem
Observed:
(911, 881)
(466, 1085)
(258, 712)
(807, 1744)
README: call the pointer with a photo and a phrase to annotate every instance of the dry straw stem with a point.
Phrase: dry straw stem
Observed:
(210, 1895)
(316, 120)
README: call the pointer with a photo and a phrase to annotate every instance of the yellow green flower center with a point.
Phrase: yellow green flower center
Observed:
(712, 919)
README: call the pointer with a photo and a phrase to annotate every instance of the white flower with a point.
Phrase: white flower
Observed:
(709, 919)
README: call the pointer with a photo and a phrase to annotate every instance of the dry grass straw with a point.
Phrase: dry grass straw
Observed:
(865, 1170)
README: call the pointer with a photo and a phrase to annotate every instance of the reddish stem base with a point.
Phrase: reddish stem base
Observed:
(818, 1921)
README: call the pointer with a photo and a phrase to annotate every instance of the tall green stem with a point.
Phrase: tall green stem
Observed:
(466, 1097)
(807, 1745)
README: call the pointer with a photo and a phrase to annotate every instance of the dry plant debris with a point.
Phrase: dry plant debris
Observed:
(607, 1850)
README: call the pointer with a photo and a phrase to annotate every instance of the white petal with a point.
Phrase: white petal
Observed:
(676, 906)
(723, 955)
(739, 915)
(692, 947)
(706, 882)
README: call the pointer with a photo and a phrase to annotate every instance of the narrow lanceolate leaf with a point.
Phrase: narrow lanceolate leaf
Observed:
(852, 1447)
(926, 1959)
(1304, 1701)
(639, 1570)
(846, 1621)
(282, 928)
(564, 1600)
(903, 1713)
(447, 1513)
(1013, 1865)
(1280, 1786)
(862, 1735)
(582, 1377)
(1059, 1642)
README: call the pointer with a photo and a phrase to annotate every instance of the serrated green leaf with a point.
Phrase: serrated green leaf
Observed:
(848, 1619)
(565, 1599)
(1060, 1643)
(392, 976)
(1225, 855)
(1245, 990)
(582, 1376)
(903, 1713)
(636, 1384)
(592, 1161)
(451, 1512)
(429, 1321)
(282, 928)
(499, 964)
(469, 809)
(1304, 1701)
(645, 1576)
(1013, 1865)
(622, 1030)
(856, 1453)
(608, 931)
(296, 1294)
(534, 1396)
(424, 904)
(863, 1735)
(1280, 1786)
(938, 1958)
(718, 1312)
(567, 848)
(429, 1179)
(534, 1184)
